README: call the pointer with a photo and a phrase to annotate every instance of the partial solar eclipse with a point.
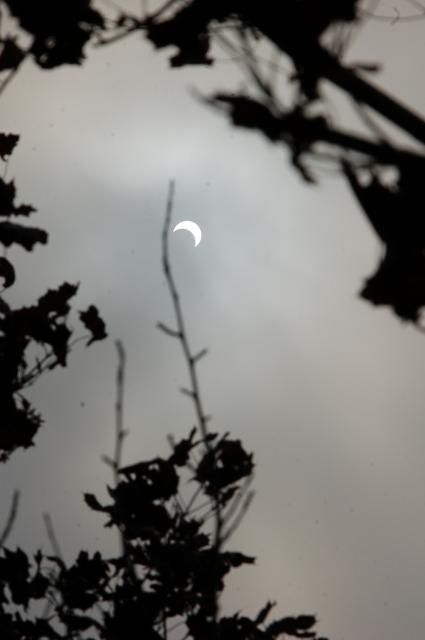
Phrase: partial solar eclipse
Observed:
(192, 227)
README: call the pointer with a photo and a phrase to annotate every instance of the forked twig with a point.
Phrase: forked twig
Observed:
(191, 360)
(180, 333)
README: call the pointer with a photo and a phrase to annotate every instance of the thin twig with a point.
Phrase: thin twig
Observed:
(167, 330)
(187, 392)
(115, 462)
(136, 26)
(195, 390)
(164, 8)
(252, 66)
(324, 65)
(11, 519)
(8, 79)
(231, 509)
(226, 535)
(201, 354)
(201, 506)
(54, 543)
(397, 17)
(193, 498)
(119, 410)
(36, 370)
(369, 122)
(248, 63)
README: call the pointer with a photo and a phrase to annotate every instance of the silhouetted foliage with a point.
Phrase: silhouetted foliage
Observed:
(296, 30)
(43, 324)
(59, 31)
(172, 566)
(178, 569)
(306, 32)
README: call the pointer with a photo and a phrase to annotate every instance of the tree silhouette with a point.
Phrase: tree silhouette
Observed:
(43, 325)
(172, 564)
(296, 30)
(306, 33)
(171, 569)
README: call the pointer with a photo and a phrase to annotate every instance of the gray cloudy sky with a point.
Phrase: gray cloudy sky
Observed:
(324, 389)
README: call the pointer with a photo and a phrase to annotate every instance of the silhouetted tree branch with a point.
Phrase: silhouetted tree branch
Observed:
(180, 563)
(43, 324)
(297, 31)
(180, 332)
(11, 519)
(171, 565)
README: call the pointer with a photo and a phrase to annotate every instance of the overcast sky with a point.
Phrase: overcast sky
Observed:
(324, 389)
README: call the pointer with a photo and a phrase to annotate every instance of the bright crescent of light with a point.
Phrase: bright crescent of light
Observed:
(192, 227)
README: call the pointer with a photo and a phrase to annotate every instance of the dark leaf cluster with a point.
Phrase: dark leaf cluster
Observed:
(44, 324)
(172, 567)
(59, 31)
(296, 29)
(395, 213)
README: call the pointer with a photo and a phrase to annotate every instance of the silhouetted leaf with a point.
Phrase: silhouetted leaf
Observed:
(155, 479)
(223, 465)
(188, 31)
(60, 31)
(11, 55)
(26, 237)
(236, 559)
(91, 500)
(39, 586)
(94, 323)
(7, 196)
(264, 612)
(7, 272)
(8, 142)
(14, 570)
(19, 424)
(55, 301)
(247, 112)
(298, 627)
(182, 449)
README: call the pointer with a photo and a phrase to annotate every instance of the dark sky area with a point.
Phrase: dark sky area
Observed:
(326, 391)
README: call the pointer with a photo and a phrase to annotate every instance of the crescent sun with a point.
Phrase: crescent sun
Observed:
(192, 227)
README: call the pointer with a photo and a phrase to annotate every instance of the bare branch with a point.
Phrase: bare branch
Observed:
(115, 462)
(167, 330)
(54, 543)
(119, 408)
(199, 355)
(194, 391)
(12, 73)
(187, 392)
(323, 64)
(11, 519)
(109, 461)
(413, 17)
(231, 509)
(363, 91)
(226, 535)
